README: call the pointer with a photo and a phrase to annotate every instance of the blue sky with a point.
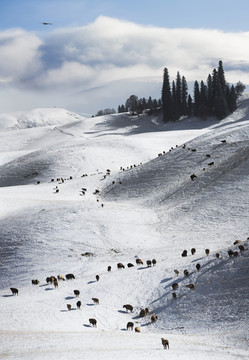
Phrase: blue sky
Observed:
(224, 15)
(96, 48)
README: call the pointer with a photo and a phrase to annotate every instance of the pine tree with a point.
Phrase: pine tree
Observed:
(178, 97)
(203, 108)
(221, 108)
(189, 106)
(166, 97)
(175, 113)
(223, 89)
(150, 103)
(231, 98)
(196, 99)
(221, 76)
(210, 100)
(184, 96)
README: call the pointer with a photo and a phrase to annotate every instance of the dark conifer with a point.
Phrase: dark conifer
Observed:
(184, 96)
(231, 98)
(203, 108)
(189, 106)
(166, 97)
(196, 99)
(210, 100)
(178, 97)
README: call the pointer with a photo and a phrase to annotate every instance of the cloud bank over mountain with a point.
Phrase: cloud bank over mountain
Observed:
(67, 60)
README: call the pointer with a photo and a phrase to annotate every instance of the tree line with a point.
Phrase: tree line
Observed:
(215, 97)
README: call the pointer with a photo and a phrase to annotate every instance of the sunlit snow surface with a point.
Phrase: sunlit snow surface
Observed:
(147, 207)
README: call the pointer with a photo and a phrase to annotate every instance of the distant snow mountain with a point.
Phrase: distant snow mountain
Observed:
(37, 118)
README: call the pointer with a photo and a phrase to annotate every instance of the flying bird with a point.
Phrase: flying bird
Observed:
(46, 23)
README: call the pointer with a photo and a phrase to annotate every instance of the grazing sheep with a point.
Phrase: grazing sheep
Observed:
(235, 253)
(148, 262)
(128, 307)
(97, 277)
(76, 293)
(14, 291)
(230, 253)
(207, 251)
(174, 295)
(70, 276)
(153, 318)
(93, 322)
(198, 266)
(147, 310)
(165, 343)
(96, 301)
(120, 266)
(87, 254)
(211, 164)
(137, 329)
(208, 155)
(237, 242)
(193, 176)
(186, 272)
(60, 277)
(130, 265)
(176, 272)
(69, 307)
(193, 250)
(184, 253)
(130, 325)
(35, 282)
(139, 262)
(50, 279)
(190, 286)
(142, 313)
(223, 141)
(78, 304)
(217, 255)
(242, 248)
(109, 268)
(175, 286)
(153, 262)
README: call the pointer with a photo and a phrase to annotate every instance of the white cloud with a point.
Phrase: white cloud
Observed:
(19, 55)
(109, 49)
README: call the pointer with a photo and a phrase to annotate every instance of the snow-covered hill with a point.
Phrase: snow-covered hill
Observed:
(71, 186)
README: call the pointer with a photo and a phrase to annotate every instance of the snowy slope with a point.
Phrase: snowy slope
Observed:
(150, 210)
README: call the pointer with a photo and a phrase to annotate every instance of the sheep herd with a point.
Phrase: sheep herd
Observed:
(128, 307)
(238, 248)
(54, 280)
(231, 253)
(210, 164)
